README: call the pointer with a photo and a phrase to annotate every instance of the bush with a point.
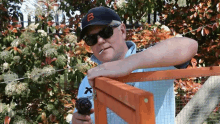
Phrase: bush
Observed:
(40, 71)
(198, 20)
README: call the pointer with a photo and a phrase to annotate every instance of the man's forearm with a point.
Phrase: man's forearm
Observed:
(170, 52)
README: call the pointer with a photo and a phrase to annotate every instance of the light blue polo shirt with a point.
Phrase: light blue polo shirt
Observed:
(163, 91)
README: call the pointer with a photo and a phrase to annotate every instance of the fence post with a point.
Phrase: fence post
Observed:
(100, 112)
(134, 105)
(22, 20)
(29, 19)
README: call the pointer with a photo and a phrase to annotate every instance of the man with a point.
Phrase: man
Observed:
(103, 31)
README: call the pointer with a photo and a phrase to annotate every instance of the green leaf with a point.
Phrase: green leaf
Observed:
(79, 61)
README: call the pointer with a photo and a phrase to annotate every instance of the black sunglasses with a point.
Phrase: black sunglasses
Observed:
(105, 33)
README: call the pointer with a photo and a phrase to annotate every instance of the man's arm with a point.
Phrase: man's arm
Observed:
(170, 52)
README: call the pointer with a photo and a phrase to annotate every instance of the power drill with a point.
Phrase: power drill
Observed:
(83, 105)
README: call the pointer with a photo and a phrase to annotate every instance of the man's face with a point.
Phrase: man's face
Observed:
(114, 48)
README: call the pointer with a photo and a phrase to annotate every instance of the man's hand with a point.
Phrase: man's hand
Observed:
(110, 69)
(82, 119)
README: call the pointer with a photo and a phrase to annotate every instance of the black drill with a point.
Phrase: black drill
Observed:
(83, 105)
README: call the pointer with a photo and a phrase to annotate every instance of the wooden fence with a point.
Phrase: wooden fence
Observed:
(133, 105)
(110, 93)
(152, 18)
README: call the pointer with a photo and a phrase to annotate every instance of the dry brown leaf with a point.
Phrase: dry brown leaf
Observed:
(199, 29)
(206, 31)
(68, 105)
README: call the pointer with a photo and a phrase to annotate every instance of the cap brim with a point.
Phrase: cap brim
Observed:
(95, 23)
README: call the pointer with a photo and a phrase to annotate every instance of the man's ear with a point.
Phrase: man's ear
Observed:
(123, 30)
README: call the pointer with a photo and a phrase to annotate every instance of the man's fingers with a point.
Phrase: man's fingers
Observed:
(82, 117)
(91, 82)
(92, 111)
(82, 122)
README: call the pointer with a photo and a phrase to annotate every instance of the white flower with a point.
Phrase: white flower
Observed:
(82, 67)
(15, 43)
(5, 55)
(35, 74)
(5, 66)
(184, 88)
(218, 7)
(51, 93)
(49, 70)
(50, 52)
(203, 32)
(57, 37)
(87, 59)
(47, 46)
(120, 3)
(71, 38)
(43, 33)
(3, 108)
(165, 28)
(28, 38)
(10, 89)
(17, 59)
(178, 35)
(10, 77)
(175, 92)
(32, 27)
(61, 60)
(157, 23)
(22, 89)
(20, 120)
(36, 25)
(69, 118)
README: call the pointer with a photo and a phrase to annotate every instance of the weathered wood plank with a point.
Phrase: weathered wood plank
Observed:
(134, 105)
(202, 104)
(170, 74)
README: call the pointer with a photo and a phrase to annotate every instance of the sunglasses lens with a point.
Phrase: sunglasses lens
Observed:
(91, 40)
(106, 32)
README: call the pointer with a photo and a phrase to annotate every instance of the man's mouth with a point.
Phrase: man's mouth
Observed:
(103, 50)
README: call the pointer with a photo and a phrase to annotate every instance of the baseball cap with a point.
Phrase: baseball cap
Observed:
(98, 16)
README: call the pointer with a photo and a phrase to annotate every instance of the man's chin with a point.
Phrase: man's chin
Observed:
(108, 59)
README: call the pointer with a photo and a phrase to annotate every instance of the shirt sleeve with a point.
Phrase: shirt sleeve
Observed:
(182, 66)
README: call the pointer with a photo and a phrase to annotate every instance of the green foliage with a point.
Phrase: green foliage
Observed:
(198, 20)
(201, 20)
(48, 89)
(134, 9)
(129, 10)
(39, 70)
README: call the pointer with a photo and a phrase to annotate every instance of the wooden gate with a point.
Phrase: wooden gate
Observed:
(133, 105)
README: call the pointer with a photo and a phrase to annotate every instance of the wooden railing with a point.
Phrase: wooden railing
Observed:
(133, 105)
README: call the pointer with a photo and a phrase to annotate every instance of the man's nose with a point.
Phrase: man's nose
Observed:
(100, 40)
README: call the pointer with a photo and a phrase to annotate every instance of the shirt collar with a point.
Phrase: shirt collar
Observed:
(131, 50)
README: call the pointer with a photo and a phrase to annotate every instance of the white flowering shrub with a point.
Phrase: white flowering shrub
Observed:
(42, 32)
(121, 3)
(5, 56)
(40, 71)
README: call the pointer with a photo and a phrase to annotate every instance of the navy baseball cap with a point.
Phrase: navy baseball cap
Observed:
(98, 16)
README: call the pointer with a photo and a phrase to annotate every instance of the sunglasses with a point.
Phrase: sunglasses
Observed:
(105, 33)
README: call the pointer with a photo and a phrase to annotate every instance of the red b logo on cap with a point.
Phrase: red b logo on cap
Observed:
(90, 17)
